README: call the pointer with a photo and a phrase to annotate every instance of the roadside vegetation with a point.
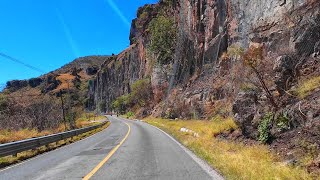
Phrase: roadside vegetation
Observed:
(140, 96)
(7, 135)
(163, 34)
(234, 160)
(306, 87)
(9, 160)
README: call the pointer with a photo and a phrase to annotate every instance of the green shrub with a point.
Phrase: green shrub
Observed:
(120, 104)
(162, 38)
(3, 102)
(283, 121)
(235, 50)
(264, 128)
(130, 114)
(141, 92)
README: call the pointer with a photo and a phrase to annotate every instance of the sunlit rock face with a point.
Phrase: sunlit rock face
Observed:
(205, 29)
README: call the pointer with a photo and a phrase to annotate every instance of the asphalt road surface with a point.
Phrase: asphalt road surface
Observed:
(125, 150)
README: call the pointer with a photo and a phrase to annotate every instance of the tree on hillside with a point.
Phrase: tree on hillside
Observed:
(120, 104)
(140, 96)
(252, 58)
(162, 38)
(141, 92)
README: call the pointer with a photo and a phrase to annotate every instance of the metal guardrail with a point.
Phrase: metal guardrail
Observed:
(13, 148)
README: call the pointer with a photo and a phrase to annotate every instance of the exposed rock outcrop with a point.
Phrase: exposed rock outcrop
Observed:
(245, 109)
(114, 79)
(92, 70)
(205, 29)
(15, 85)
(284, 68)
(51, 83)
(34, 82)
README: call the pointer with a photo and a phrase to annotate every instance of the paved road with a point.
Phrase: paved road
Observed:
(147, 153)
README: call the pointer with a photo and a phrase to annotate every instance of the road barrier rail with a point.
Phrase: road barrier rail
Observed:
(13, 148)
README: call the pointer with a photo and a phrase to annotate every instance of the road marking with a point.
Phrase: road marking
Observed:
(204, 165)
(50, 151)
(88, 176)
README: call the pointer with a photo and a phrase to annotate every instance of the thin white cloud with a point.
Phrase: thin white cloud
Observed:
(118, 12)
(68, 35)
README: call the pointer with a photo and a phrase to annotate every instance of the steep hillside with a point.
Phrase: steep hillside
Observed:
(82, 63)
(80, 69)
(256, 61)
(39, 102)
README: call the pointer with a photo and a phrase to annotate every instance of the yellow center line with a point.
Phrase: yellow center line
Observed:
(88, 176)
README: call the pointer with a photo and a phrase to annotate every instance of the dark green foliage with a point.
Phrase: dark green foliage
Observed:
(283, 121)
(120, 104)
(90, 83)
(145, 9)
(130, 114)
(102, 106)
(264, 128)
(162, 38)
(141, 94)
(3, 102)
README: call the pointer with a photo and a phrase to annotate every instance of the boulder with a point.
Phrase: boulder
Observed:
(244, 110)
(317, 49)
(284, 67)
(92, 70)
(51, 78)
(307, 38)
(74, 71)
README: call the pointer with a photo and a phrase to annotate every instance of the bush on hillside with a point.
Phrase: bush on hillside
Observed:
(3, 102)
(120, 104)
(141, 94)
(253, 58)
(162, 38)
(264, 128)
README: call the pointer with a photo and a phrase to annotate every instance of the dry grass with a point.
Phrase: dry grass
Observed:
(10, 136)
(87, 119)
(66, 82)
(9, 160)
(306, 87)
(233, 160)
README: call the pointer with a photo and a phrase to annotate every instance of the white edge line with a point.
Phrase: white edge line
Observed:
(45, 153)
(204, 165)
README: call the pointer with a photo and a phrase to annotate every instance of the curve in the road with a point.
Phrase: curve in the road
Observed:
(143, 152)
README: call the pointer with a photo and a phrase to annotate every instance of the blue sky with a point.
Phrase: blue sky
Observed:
(50, 33)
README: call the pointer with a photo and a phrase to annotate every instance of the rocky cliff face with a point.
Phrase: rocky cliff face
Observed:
(203, 79)
(117, 74)
(205, 29)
